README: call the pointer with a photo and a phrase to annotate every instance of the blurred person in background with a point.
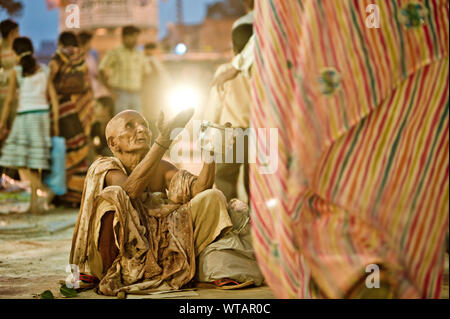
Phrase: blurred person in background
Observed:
(9, 31)
(69, 73)
(244, 60)
(104, 104)
(154, 87)
(28, 145)
(122, 71)
(231, 107)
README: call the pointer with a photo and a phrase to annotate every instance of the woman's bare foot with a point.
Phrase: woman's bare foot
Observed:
(45, 198)
(49, 199)
(35, 209)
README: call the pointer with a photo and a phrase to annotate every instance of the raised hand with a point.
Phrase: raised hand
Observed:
(179, 121)
(224, 77)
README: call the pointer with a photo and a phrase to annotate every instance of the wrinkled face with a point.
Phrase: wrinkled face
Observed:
(130, 40)
(129, 134)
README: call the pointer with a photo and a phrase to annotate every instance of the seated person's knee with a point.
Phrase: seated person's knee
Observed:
(211, 194)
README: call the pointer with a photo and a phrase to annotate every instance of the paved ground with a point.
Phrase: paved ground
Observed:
(34, 253)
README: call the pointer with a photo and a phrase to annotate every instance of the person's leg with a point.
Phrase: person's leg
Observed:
(34, 178)
(49, 195)
(210, 218)
(107, 246)
(23, 174)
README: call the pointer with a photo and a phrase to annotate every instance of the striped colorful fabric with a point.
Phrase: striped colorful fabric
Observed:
(76, 113)
(362, 116)
(77, 148)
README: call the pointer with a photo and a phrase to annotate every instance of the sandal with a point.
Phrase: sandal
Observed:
(228, 284)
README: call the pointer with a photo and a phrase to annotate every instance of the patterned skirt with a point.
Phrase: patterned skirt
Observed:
(75, 119)
(29, 144)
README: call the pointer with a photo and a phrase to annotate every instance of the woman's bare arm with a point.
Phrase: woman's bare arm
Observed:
(54, 105)
(12, 88)
(205, 178)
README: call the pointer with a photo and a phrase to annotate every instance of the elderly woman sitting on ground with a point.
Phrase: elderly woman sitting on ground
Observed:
(143, 222)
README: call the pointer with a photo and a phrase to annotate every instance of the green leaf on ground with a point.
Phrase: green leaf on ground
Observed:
(68, 292)
(46, 295)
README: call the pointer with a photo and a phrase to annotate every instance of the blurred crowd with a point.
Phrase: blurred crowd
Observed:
(74, 96)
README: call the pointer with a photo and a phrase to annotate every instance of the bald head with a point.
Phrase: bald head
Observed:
(114, 125)
(128, 132)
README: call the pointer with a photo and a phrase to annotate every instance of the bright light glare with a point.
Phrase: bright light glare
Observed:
(181, 49)
(182, 98)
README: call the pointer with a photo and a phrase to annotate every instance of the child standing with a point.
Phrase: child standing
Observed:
(28, 145)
